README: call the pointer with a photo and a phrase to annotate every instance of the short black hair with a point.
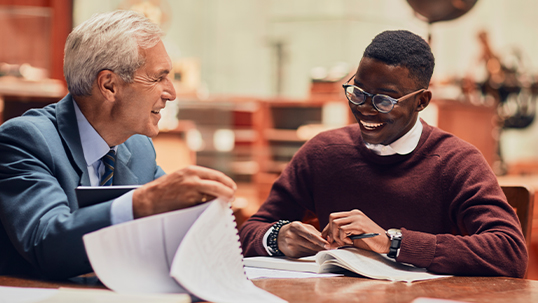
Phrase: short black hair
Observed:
(401, 47)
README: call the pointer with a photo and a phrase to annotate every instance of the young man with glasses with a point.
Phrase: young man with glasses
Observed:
(431, 197)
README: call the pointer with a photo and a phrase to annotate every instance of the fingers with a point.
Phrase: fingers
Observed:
(334, 229)
(211, 174)
(205, 198)
(313, 236)
(298, 240)
(215, 189)
(343, 224)
(207, 181)
(183, 188)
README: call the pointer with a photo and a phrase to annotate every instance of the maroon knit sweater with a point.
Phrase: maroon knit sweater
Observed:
(453, 214)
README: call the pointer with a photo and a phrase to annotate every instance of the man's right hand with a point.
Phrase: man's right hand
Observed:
(183, 188)
(297, 239)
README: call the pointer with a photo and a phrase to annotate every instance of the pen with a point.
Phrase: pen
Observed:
(363, 236)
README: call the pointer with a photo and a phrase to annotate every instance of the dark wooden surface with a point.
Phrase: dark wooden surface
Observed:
(350, 289)
(353, 289)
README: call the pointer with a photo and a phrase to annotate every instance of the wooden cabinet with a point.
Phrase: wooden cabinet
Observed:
(32, 32)
(476, 124)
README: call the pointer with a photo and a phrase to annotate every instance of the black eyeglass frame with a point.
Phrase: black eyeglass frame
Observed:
(393, 101)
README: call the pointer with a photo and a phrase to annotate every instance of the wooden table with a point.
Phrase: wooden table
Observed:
(352, 289)
(349, 289)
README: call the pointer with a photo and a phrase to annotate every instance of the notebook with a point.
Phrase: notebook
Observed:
(90, 195)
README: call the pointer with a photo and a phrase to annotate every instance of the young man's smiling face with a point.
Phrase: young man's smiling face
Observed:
(142, 100)
(376, 77)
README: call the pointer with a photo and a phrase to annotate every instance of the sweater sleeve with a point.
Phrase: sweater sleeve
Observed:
(288, 200)
(486, 238)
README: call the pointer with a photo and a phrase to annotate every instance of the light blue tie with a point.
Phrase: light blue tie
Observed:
(108, 160)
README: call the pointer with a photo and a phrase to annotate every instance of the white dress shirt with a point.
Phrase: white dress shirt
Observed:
(95, 148)
(403, 146)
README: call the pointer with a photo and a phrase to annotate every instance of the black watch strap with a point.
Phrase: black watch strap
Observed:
(272, 240)
(395, 236)
(393, 249)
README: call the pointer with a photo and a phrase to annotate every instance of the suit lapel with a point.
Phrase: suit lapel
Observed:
(68, 129)
(123, 175)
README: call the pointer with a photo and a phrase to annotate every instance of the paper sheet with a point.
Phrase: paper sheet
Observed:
(79, 295)
(135, 257)
(195, 250)
(210, 256)
(24, 294)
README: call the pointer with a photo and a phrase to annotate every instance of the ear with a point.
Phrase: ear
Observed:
(424, 99)
(107, 84)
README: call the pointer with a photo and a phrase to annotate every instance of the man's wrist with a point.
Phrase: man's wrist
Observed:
(395, 236)
(272, 239)
(140, 203)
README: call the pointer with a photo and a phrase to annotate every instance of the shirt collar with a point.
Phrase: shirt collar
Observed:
(93, 145)
(403, 146)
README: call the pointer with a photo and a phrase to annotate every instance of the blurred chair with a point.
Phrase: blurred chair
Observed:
(521, 198)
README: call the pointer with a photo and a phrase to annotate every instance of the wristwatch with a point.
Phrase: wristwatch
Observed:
(395, 236)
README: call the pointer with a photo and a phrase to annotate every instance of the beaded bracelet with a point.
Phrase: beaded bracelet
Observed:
(272, 240)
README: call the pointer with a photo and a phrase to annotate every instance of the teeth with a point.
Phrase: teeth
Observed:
(155, 111)
(371, 125)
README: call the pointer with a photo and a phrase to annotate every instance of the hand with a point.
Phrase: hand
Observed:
(297, 239)
(181, 189)
(343, 224)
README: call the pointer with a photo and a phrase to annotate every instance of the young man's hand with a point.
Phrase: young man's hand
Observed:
(298, 239)
(343, 224)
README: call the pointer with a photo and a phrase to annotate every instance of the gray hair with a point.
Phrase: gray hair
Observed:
(108, 41)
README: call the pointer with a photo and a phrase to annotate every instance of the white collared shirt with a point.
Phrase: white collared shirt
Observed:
(403, 146)
(94, 148)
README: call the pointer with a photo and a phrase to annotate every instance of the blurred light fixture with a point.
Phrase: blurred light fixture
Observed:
(224, 140)
(194, 140)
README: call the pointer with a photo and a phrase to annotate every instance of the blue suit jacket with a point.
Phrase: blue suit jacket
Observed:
(41, 164)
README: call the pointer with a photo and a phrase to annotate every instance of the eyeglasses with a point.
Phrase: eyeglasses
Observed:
(382, 103)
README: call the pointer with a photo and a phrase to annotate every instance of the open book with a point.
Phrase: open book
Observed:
(363, 262)
(194, 250)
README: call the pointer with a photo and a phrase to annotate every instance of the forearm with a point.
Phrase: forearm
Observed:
(251, 235)
(495, 253)
(253, 230)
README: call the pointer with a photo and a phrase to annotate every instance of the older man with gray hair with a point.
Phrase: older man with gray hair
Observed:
(116, 68)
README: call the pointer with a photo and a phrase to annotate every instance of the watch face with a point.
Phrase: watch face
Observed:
(394, 233)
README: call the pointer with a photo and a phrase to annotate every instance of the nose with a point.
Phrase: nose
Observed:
(367, 108)
(169, 92)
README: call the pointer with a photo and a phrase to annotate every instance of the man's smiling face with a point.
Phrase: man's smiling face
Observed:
(376, 77)
(141, 101)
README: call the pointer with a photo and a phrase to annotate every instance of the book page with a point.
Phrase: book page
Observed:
(371, 264)
(267, 273)
(136, 256)
(209, 261)
(305, 264)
